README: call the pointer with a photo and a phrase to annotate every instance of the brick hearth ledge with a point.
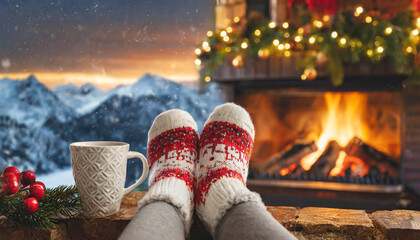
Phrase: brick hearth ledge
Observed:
(305, 223)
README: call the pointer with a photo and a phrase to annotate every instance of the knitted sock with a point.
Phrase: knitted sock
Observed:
(172, 153)
(225, 149)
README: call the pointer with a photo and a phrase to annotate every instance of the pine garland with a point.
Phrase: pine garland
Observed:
(347, 37)
(57, 203)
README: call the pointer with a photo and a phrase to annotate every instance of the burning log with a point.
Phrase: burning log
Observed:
(291, 155)
(327, 160)
(357, 148)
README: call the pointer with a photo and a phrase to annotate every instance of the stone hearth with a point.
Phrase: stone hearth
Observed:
(305, 223)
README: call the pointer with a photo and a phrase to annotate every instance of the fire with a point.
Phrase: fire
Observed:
(342, 122)
(339, 165)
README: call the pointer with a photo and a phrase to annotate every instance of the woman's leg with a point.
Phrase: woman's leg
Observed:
(155, 221)
(222, 196)
(250, 221)
(172, 152)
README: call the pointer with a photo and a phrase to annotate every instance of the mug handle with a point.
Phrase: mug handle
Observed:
(143, 175)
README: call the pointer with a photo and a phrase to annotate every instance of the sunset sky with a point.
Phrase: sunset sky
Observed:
(108, 42)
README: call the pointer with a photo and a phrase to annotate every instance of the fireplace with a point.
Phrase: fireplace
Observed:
(349, 146)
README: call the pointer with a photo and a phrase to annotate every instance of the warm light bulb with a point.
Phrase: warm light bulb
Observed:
(229, 29)
(276, 42)
(209, 34)
(197, 62)
(197, 51)
(415, 32)
(380, 49)
(311, 40)
(343, 41)
(287, 46)
(236, 19)
(359, 10)
(334, 34)
(286, 34)
(369, 52)
(207, 78)
(226, 38)
(318, 24)
(228, 49)
(244, 45)
(418, 22)
(303, 77)
(207, 49)
(205, 44)
(368, 19)
(326, 18)
(281, 47)
(298, 38)
(223, 33)
(409, 49)
(257, 32)
(287, 53)
(272, 25)
(285, 25)
(388, 30)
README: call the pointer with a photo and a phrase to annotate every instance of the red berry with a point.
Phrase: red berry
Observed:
(40, 183)
(30, 205)
(27, 177)
(37, 191)
(10, 183)
(12, 170)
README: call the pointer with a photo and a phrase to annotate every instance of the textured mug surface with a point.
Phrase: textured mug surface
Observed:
(99, 171)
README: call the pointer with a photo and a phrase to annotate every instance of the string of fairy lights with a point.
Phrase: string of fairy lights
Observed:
(327, 41)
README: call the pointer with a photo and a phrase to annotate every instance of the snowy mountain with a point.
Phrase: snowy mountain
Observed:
(31, 103)
(82, 99)
(70, 113)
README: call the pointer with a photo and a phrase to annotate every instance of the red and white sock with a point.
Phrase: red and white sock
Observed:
(172, 153)
(225, 148)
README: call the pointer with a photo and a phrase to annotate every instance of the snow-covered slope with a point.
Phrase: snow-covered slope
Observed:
(82, 99)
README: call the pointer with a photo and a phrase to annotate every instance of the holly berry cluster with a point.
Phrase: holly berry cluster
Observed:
(25, 185)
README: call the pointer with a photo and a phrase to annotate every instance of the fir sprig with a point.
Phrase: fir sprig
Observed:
(57, 203)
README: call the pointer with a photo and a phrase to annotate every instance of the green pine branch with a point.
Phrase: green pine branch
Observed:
(57, 203)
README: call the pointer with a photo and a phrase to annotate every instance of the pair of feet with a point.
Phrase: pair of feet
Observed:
(208, 172)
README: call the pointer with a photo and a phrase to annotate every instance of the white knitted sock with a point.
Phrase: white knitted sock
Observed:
(172, 153)
(225, 148)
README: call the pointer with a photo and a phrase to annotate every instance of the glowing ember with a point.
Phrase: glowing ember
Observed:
(285, 171)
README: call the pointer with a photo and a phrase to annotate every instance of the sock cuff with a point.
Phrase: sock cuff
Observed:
(235, 114)
(222, 196)
(171, 119)
(175, 192)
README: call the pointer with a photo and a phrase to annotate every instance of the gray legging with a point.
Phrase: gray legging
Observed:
(160, 220)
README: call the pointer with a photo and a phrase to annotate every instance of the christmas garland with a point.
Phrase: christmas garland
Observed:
(347, 37)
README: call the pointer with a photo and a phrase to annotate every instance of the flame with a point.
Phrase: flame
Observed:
(342, 122)
(339, 164)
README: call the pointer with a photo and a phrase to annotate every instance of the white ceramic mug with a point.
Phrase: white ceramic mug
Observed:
(99, 171)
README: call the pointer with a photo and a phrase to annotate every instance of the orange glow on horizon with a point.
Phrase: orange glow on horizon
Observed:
(103, 81)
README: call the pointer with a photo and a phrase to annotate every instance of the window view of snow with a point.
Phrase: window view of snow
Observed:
(95, 70)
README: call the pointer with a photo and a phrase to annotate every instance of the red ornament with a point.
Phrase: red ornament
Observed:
(27, 177)
(40, 183)
(12, 170)
(10, 183)
(30, 205)
(37, 191)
